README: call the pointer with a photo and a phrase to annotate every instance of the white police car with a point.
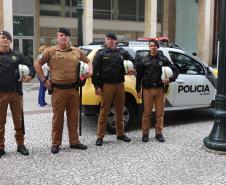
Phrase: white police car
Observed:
(194, 87)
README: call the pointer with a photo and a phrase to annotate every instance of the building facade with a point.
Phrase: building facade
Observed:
(192, 24)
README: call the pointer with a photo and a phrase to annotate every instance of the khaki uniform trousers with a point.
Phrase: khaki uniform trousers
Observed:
(112, 93)
(151, 97)
(16, 106)
(65, 99)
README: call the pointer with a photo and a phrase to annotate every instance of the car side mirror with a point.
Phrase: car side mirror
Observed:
(194, 54)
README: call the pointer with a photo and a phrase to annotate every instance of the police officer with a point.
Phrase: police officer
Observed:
(63, 60)
(108, 78)
(11, 91)
(149, 73)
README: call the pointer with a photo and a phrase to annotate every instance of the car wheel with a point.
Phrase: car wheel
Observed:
(128, 116)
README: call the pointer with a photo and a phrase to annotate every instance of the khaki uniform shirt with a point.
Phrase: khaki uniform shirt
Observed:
(63, 64)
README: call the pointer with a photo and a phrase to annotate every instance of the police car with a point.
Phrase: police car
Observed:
(194, 87)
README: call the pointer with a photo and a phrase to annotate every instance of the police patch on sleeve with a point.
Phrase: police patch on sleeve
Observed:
(13, 58)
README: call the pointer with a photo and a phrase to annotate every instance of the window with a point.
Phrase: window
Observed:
(185, 64)
(141, 10)
(52, 2)
(102, 9)
(23, 26)
(63, 8)
(132, 10)
(160, 11)
(121, 10)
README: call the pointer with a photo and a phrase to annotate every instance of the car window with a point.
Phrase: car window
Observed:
(186, 64)
(130, 51)
(86, 51)
(140, 54)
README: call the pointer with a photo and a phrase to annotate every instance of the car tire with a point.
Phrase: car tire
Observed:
(128, 115)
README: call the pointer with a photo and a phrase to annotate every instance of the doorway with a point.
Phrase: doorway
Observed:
(24, 45)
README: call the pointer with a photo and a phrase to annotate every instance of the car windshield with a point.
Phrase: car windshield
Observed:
(86, 51)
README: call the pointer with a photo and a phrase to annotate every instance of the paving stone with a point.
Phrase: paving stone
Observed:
(180, 160)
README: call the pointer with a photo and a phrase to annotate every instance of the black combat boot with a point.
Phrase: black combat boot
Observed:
(55, 149)
(124, 138)
(99, 142)
(79, 146)
(2, 152)
(22, 149)
(159, 137)
(145, 138)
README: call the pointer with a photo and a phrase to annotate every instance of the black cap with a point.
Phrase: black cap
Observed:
(155, 41)
(111, 35)
(64, 30)
(7, 34)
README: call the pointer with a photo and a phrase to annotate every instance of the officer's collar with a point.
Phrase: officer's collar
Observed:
(66, 49)
(7, 52)
(156, 56)
(109, 49)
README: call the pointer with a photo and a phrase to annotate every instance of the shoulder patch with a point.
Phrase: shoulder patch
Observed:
(73, 47)
(51, 49)
(13, 58)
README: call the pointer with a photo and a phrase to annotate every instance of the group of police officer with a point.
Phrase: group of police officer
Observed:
(107, 72)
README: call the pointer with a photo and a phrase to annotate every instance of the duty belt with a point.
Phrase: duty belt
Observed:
(65, 86)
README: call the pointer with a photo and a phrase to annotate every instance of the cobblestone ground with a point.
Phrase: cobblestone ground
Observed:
(180, 160)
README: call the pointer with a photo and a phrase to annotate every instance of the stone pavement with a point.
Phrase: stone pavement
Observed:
(180, 160)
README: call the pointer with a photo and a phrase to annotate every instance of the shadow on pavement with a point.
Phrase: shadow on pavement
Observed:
(172, 118)
(180, 117)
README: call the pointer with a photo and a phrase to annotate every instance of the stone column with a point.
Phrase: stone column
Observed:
(115, 10)
(7, 11)
(87, 21)
(36, 28)
(205, 32)
(1, 15)
(169, 19)
(150, 18)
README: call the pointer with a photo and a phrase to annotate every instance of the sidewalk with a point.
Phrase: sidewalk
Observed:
(181, 160)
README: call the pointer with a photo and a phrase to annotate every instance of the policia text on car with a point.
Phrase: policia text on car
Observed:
(11, 90)
(63, 60)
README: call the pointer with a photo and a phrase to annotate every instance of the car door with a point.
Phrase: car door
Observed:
(192, 87)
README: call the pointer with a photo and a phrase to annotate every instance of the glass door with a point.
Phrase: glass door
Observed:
(24, 45)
